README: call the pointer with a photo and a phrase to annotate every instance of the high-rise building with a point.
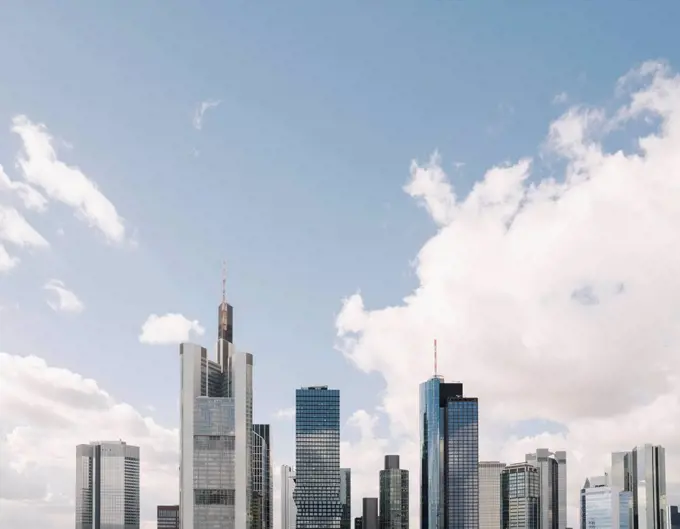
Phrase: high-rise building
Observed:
(107, 485)
(603, 509)
(674, 517)
(167, 517)
(449, 457)
(288, 509)
(346, 498)
(621, 473)
(317, 458)
(216, 416)
(490, 498)
(358, 523)
(520, 493)
(552, 469)
(648, 463)
(261, 473)
(394, 495)
(369, 516)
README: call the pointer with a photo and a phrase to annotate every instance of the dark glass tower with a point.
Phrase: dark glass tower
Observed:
(394, 491)
(520, 493)
(261, 475)
(449, 473)
(317, 458)
(346, 498)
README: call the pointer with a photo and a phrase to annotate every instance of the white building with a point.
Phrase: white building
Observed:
(490, 498)
(107, 485)
(288, 509)
(216, 410)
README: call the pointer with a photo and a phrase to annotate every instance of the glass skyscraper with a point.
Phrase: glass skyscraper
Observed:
(648, 468)
(552, 470)
(520, 493)
(317, 458)
(490, 497)
(394, 495)
(449, 471)
(346, 498)
(107, 485)
(288, 509)
(167, 517)
(261, 473)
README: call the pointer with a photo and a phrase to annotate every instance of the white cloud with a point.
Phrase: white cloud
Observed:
(285, 413)
(551, 300)
(66, 300)
(15, 229)
(560, 98)
(41, 167)
(29, 196)
(201, 109)
(7, 261)
(47, 411)
(169, 329)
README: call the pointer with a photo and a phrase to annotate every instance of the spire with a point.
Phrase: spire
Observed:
(435, 357)
(224, 282)
(225, 330)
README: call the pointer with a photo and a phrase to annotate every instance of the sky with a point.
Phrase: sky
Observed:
(501, 176)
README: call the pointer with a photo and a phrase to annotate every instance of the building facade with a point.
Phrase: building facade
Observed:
(107, 485)
(552, 469)
(370, 518)
(674, 517)
(346, 498)
(520, 493)
(167, 517)
(602, 507)
(317, 458)
(490, 497)
(262, 486)
(394, 495)
(648, 468)
(621, 475)
(288, 509)
(449, 470)
(216, 410)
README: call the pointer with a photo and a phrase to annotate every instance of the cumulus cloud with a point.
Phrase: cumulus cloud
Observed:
(29, 196)
(64, 300)
(16, 230)
(47, 411)
(7, 261)
(200, 111)
(169, 329)
(41, 167)
(551, 299)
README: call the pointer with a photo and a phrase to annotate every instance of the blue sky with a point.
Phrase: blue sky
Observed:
(295, 178)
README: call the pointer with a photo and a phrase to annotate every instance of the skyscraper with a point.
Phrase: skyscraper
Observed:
(649, 487)
(520, 497)
(346, 498)
(449, 457)
(369, 514)
(107, 485)
(216, 410)
(261, 472)
(167, 517)
(317, 458)
(288, 509)
(621, 471)
(490, 498)
(674, 517)
(552, 469)
(394, 495)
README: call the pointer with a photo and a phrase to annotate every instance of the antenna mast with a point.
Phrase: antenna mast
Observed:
(435, 357)
(224, 282)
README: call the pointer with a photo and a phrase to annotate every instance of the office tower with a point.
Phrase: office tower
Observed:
(394, 495)
(216, 417)
(288, 509)
(552, 469)
(648, 463)
(167, 517)
(449, 457)
(107, 485)
(602, 505)
(261, 475)
(520, 492)
(674, 517)
(317, 458)
(626, 509)
(490, 497)
(358, 523)
(621, 471)
(346, 498)
(369, 515)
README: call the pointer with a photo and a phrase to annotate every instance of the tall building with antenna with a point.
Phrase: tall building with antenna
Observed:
(216, 416)
(449, 440)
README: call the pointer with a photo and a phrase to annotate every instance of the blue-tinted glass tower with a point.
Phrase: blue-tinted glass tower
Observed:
(449, 438)
(317, 458)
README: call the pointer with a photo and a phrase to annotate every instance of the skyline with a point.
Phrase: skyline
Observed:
(504, 180)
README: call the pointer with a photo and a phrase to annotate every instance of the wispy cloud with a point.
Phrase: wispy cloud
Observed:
(201, 109)
(66, 300)
(560, 98)
(285, 414)
(171, 328)
(30, 197)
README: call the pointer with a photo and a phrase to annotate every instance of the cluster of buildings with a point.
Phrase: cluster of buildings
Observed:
(226, 479)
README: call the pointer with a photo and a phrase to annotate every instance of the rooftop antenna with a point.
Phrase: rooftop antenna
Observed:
(435, 357)
(224, 282)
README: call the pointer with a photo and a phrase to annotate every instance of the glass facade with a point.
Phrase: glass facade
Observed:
(261, 472)
(552, 470)
(288, 509)
(317, 457)
(648, 466)
(107, 486)
(674, 517)
(520, 491)
(394, 495)
(490, 497)
(346, 498)
(449, 457)
(369, 513)
(602, 507)
(167, 517)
